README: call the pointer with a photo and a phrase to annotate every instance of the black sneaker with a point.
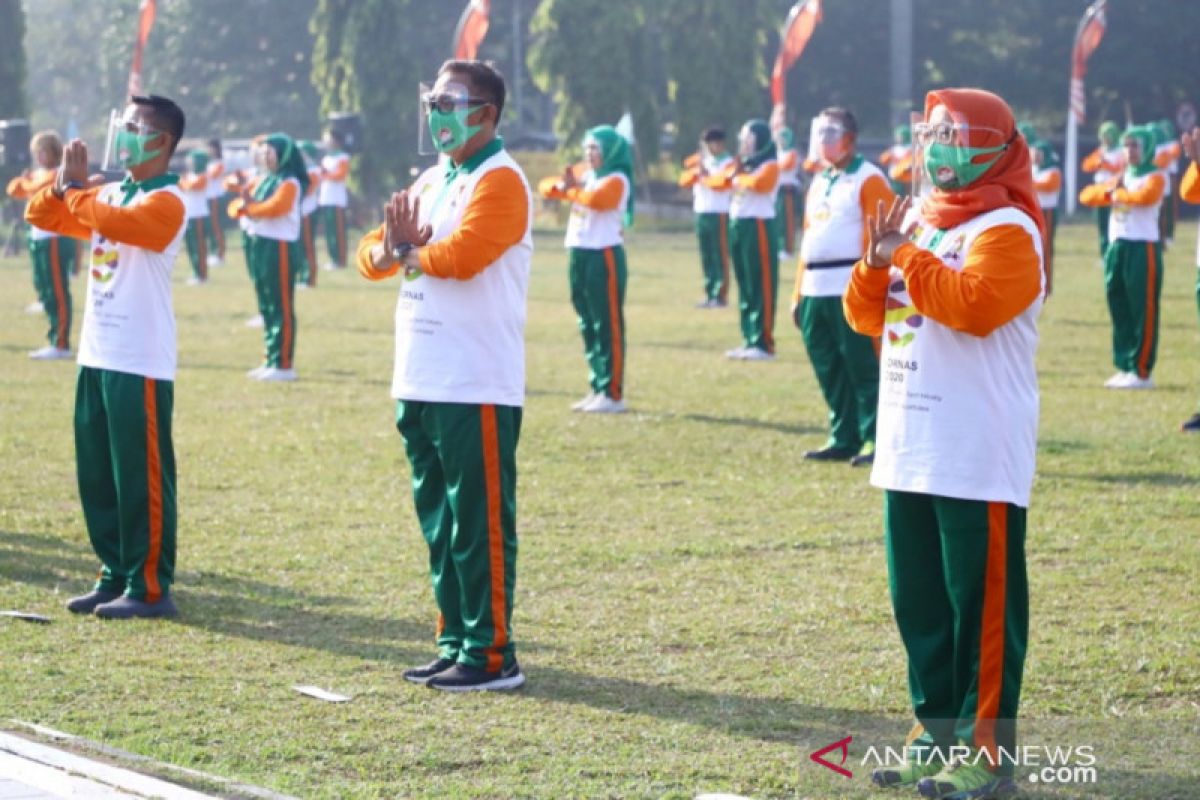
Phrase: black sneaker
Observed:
(131, 608)
(86, 603)
(465, 678)
(1192, 425)
(865, 456)
(831, 454)
(423, 674)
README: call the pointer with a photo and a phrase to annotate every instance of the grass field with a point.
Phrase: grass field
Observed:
(697, 608)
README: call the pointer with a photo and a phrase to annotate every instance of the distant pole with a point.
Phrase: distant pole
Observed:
(902, 39)
(518, 92)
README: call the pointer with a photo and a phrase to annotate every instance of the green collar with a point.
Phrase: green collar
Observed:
(131, 187)
(481, 155)
(851, 168)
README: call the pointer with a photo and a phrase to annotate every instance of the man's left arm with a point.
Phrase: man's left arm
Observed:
(150, 224)
(495, 219)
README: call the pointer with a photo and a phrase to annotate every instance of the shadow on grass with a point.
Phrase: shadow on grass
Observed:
(1160, 479)
(745, 422)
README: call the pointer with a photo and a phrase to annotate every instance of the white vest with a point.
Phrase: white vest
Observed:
(196, 202)
(595, 230)
(958, 413)
(747, 204)
(331, 192)
(1109, 155)
(788, 177)
(833, 229)
(285, 228)
(1046, 199)
(705, 199)
(464, 341)
(128, 317)
(1134, 223)
(214, 188)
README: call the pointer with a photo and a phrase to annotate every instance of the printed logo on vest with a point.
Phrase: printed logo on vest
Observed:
(900, 317)
(104, 260)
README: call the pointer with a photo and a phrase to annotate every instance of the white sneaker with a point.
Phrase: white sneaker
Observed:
(578, 405)
(214, 260)
(757, 354)
(302, 287)
(50, 353)
(277, 374)
(1118, 380)
(330, 266)
(1135, 382)
(737, 353)
(35, 307)
(257, 371)
(194, 281)
(255, 322)
(603, 404)
(784, 255)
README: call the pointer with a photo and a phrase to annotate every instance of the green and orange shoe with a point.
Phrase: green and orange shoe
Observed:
(905, 776)
(963, 780)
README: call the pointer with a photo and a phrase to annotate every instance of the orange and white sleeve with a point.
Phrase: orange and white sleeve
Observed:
(1048, 180)
(762, 180)
(193, 183)
(1189, 187)
(151, 223)
(49, 213)
(606, 195)
(279, 204)
(1148, 194)
(339, 172)
(865, 298)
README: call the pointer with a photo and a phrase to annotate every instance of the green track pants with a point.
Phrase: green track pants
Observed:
(712, 232)
(1133, 278)
(214, 227)
(1102, 215)
(956, 571)
(53, 260)
(597, 280)
(847, 369)
(125, 463)
(464, 479)
(754, 245)
(274, 264)
(196, 239)
(333, 219)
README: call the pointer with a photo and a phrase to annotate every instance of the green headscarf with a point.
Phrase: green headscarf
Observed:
(615, 156)
(310, 149)
(198, 161)
(1146, 138)
(786, 138)
(764, 145)
(1110, 133)
(288, 164)
(1166, 130)
(902, 134)
(1028, 130)
(1049, 156)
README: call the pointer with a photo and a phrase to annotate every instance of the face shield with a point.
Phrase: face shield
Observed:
(128, 141)
(951, 153)
(443, 125)
(832, 138)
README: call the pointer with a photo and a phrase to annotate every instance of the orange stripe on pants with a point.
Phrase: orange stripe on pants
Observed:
(789, 215)
(62, 336)
(310, 249)
(764, 259)
(154, 485)
(491, 479)
(285, 350)
(1048, 247)
(201, 248)
(723, 233)
(1151, 308)
(341, 236)
(991, 636)
(614, 323)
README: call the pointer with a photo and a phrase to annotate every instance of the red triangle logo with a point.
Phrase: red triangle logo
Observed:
(842, 746)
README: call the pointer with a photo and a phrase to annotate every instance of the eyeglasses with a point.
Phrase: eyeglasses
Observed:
(942, 133)
(830, 133)
(138, 126)
(446, 103)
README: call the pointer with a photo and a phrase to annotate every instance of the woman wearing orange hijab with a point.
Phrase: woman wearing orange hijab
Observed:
(954, 287)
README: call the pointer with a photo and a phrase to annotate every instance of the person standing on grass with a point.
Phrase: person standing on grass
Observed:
(194, 184)
(1105, 163)
(214, 191)
(53, 256)
(840, 199)
(308, 207)
(711, 206)
(332, 198)
(1047, 182)
(754, 240)
(1189, 191)
(1133, 266)
(124, 395)
(271, 206)
(788, 207)
(955, 289)
(461, 239)
(601, 207)
(1167, 153)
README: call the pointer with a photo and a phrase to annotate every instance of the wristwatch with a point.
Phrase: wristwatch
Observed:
(402, 250)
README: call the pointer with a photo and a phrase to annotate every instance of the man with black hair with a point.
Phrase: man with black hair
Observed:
(125, 457)
(461, 238)
(707, 173)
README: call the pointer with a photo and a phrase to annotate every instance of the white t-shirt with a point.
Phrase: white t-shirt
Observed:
(285, 228)
(705, 199)
(128, 317)
(333, 192)
(1134, 223)
(596, 230)
(464, 341)
(833, 229)
(958, 413)
(749, 204)
(1046, 199)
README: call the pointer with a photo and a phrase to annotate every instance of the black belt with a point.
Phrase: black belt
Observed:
(845, 262)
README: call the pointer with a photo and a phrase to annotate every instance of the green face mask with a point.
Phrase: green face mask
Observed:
(952, 167)
(131, 148)
(450, 130)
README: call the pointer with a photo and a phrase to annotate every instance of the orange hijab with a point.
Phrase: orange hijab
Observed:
(1009, 182)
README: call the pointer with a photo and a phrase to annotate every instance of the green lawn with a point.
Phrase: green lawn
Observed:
(697, 608)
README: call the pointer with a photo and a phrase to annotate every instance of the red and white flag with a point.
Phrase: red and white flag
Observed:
(797, 30)
(148, 9)
(471, 29)
(1087, 38)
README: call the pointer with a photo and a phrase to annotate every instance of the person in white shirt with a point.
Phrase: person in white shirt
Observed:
(332, 198)
(194, 184)
(1105, 162)
(461, 240)
(125, 456)
(706, 175)
(955, 289)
